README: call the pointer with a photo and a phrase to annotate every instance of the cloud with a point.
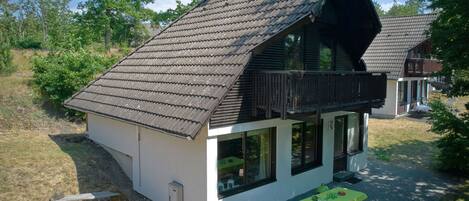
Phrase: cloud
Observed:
(387, 4)
(162, 5)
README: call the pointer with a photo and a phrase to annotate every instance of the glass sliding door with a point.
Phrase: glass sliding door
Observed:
(340, 143)
(245, 160)
(306, 146)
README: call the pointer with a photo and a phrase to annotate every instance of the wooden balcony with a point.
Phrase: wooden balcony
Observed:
(417, 67)
(295, 92)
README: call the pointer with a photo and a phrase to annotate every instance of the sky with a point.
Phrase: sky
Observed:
(160, 5)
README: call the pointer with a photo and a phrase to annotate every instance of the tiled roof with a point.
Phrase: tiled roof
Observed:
(175, 80)
(389, 49)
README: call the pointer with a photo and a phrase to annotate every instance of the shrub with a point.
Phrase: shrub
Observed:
(6, 67)
(29, 43)
(454, 143)
(60, 74)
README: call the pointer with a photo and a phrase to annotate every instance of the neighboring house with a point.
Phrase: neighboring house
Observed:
(403, 49)
(241, 100)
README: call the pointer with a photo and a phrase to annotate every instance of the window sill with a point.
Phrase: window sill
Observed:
(246, 188)
(299, 170)
(355, 153)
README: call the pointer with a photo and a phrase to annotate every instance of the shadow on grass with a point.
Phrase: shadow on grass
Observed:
(96, 168)
(410, 152)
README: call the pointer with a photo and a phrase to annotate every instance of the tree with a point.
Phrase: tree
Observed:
(378, 8)
(164, 18)
(114, 20)
(449, 35)
(449, 41)
(410, 7)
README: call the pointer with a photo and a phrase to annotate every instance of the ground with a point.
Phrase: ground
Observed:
(402, 165)
(44, 156)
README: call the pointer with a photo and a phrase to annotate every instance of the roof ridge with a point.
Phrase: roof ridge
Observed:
(408, 16)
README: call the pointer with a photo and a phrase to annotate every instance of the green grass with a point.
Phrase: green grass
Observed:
(35, 165)
(402, 141)
(409, 143)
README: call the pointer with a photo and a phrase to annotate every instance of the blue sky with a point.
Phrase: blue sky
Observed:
(160, 5)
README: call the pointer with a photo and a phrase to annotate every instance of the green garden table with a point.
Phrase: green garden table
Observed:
(333, 195)
(230, 164)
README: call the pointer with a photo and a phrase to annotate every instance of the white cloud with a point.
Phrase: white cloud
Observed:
(386, 5)
(161, 5)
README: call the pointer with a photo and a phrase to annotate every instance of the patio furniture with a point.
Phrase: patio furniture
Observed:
(230, 164)
(335, 194)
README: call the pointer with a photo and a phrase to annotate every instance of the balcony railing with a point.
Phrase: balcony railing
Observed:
(417, 67)
(293, 92)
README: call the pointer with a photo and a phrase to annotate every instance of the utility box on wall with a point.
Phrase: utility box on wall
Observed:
(175, 191)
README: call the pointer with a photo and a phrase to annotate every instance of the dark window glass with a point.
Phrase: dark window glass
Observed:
(306, 146)
(245, 159)
(325, 57)
(339, 129)
(413, 87)
(402, 87)
(297, 141)
(294, 47)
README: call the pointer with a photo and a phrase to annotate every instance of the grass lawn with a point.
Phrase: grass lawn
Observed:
(41, 154)
(402, 141)
(408, 143)
(36, 166)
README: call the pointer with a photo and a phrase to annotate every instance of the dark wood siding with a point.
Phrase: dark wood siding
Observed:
(237, 105)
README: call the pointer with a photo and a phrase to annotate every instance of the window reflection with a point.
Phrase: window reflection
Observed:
(245, 158)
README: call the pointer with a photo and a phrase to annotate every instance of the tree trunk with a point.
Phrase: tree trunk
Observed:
(107, 38)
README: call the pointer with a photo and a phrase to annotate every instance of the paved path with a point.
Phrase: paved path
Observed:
(387, 182)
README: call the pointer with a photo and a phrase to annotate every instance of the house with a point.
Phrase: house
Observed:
(241, 100)
(403, 48)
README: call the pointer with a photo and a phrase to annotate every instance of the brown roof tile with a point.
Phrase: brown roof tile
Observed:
(389, 49)
(175, 81)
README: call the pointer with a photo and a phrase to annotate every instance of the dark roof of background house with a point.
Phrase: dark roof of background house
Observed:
(174, 81)
(388, 51)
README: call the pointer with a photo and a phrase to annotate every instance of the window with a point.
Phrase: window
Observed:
(327, 47)
(402, 87)
(355, 133)
(413, 87)
(306, 146)
(294, 47)
(245, 160)
(325, 57)
(424, 89)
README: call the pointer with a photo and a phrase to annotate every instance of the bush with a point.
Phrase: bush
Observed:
(6, 67)
(60, 74)
(29, 43)
(454, 143)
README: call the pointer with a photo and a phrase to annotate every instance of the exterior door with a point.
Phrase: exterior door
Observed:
(340, 144)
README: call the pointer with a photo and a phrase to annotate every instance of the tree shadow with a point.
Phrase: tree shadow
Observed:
(407, 153)
(406, 173)
(96, 168)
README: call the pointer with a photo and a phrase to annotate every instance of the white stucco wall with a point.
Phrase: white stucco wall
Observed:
(286, 186)
(389, 109)
(157, 158)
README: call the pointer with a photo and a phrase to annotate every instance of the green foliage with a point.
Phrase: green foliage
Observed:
(449, 35)
(60, 74)
(117, 21)
(454, 143)
(29, 43)
(163, 18)
(410, 7)
(378, 8)
(6, 67)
